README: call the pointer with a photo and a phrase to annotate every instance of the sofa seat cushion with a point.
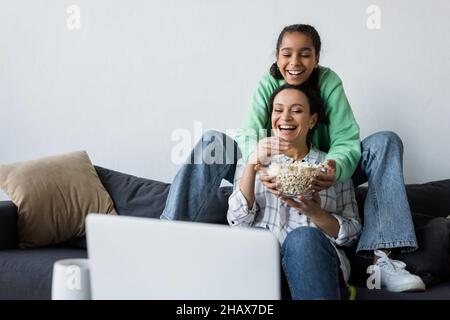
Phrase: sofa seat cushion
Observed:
(27, 273)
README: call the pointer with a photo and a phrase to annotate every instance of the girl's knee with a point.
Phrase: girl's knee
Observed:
(382, 140)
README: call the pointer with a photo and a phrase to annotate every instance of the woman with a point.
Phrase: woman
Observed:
(308, 231)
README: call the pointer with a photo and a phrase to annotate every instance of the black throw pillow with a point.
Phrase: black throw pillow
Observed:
(134, 196)
(431, 198)
(431, 260)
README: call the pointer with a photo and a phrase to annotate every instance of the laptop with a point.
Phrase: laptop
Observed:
(141, 258)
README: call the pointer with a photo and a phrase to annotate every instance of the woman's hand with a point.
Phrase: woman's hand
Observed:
(266, 148)
(307, 207)
(319, 216)
(324, 180)
(269, 181)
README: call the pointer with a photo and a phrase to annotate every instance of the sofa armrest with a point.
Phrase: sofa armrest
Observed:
(8, 225)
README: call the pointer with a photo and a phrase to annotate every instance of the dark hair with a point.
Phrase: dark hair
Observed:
(315, 37)
(315, 103)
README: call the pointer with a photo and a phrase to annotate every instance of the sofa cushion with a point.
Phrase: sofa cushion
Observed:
(431, 260)
(134, 196)
(54, 195)
(431, 198)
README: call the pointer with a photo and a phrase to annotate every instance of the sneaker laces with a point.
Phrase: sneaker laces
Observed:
(387, 263)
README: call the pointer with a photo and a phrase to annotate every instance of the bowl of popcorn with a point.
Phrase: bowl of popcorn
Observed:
(293, 179)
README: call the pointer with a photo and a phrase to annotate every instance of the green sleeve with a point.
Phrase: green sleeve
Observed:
(257, 120)
(343, 131)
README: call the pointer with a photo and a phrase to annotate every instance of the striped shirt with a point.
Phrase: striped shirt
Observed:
(271, 213)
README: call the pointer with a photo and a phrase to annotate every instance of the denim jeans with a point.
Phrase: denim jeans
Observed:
(387, 216)
(311, 265)
(214, 158)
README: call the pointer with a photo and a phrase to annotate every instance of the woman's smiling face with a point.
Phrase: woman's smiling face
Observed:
(296, 58)
(291, 116)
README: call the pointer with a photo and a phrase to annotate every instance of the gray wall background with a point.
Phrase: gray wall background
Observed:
(138, 70)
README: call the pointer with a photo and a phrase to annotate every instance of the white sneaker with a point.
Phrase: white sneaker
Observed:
(394, 277)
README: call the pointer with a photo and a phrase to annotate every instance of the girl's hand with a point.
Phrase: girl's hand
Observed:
(266, 148)
(307, 207)
(324, 180)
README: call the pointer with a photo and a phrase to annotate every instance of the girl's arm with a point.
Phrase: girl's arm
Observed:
(343, 130)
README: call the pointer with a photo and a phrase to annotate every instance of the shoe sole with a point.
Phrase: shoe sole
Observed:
(408, 287)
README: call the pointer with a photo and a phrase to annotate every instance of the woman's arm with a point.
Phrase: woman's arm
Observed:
(247, 184)
(343, 226)
(347, 214)
(241, 211)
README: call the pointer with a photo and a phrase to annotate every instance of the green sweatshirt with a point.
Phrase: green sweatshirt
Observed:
(339, 139)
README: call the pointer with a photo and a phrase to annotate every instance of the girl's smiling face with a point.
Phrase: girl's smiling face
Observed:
(291, 116)
(296, 58)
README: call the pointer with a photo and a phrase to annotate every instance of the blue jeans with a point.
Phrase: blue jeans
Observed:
(311, 265)
(198, 180)
(387, 216)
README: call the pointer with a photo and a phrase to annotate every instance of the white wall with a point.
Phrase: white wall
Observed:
(138, 70)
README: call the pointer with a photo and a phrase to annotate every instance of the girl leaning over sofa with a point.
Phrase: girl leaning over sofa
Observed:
(307, 230)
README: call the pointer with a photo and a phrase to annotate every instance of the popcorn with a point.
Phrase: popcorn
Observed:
(294, 178)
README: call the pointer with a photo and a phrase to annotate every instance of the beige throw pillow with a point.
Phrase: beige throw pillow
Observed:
(53, 196)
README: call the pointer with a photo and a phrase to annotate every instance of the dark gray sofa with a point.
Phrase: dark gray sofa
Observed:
(26, 274)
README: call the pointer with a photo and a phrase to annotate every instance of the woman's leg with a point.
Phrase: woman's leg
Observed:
(214, 158)
(387, 216)
(311, 265)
